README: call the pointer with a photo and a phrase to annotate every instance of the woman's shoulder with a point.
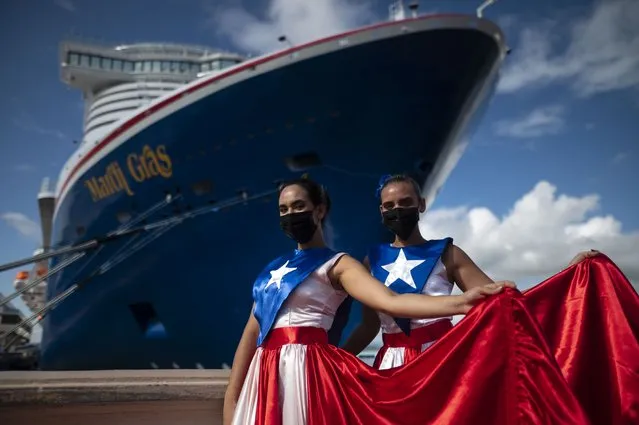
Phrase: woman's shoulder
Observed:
(336, 258)
(343, 262)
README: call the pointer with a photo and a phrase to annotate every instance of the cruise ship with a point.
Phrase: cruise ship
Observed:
(173, 186)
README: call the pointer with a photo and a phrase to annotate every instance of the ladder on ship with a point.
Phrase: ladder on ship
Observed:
(131, 231)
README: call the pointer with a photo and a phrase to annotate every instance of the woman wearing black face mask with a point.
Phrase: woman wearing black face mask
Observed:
(279, 370)
(411, 264)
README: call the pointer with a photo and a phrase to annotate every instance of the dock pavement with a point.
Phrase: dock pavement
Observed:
(116, 397)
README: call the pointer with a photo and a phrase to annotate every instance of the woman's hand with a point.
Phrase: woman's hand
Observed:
(358, 282)
(582, 256)
(478, 293)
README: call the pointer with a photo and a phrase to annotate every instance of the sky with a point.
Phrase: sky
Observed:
(550, 171)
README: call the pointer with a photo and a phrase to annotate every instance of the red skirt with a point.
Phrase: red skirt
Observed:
(589, 316)
(399, 348)
(497, 366)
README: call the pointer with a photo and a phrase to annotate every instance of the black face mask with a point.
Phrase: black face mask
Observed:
(401, 221)
(299, 226)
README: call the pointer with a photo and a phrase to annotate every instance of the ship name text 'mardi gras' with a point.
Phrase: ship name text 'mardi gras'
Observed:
(142, 166)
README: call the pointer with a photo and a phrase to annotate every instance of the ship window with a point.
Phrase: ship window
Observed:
(128, 66)
(175, 66)
(147, 319)
(95, 62)
(147, 66)
(195, 68)
(227, 63)
(166, 66)
(184, 67)
(117, 64)
(108, 111)
(205, 67)
(85, 60)
(107, 63)
(96, 126)
(156, 66)
(74, 59)
(139, 66)
(215, 65)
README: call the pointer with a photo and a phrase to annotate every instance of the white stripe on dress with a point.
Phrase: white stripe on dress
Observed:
(394, 356)
(292, 384)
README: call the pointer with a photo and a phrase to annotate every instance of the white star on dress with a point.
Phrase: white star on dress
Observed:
(400, 269)
(277, 275)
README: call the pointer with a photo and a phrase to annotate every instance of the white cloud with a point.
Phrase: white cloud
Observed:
(507, 21)
(438, 177)
(540, 122)
(538, 237)
(66, 5)
(601, 54)
(535, 240)
(24, 167)
(620, 157)
(22, 224)
(28, 123)
(300, 21)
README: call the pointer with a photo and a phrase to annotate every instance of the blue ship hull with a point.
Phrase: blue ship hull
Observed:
(183, 300)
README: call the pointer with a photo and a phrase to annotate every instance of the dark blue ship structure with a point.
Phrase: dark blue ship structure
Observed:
(192, 142)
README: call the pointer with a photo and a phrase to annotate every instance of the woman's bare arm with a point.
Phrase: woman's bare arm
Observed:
(358, 282)
(366, 330)
(462, 270)
(466, 274)
(241, 362)
(364, 333)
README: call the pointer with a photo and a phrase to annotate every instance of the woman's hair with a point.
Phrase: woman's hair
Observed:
(397, 178)
(315, 191)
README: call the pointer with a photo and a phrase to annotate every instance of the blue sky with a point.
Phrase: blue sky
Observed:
(565, 114)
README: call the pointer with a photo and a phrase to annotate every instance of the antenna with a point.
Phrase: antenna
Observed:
(413, 6)
(284, 39)
(484, 5)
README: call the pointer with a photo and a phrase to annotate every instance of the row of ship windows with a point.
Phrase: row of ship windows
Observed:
(165, 67)
(151, 89)
(93, 116)
(93, 127)
(148, 96)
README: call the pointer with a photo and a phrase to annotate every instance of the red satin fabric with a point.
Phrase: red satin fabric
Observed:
(268, 397)
(412, 343)
(589, 315)
(268, 409)
(294, 335)
(493, 368)
(565, 353)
